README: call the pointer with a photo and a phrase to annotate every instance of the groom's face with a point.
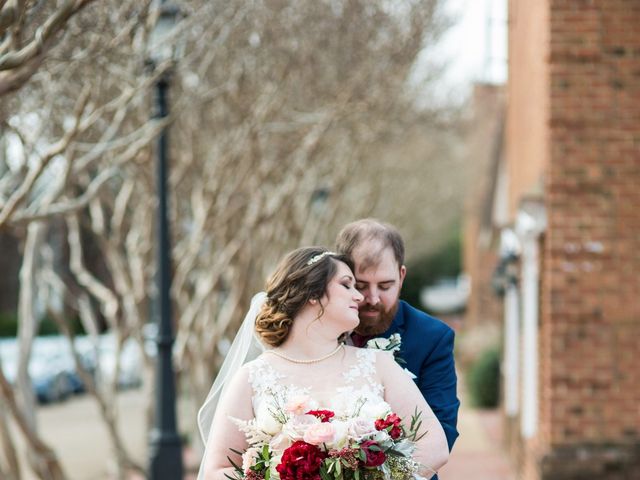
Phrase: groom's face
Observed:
(379, 279)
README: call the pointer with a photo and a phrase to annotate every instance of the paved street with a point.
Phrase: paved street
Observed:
(75, 431)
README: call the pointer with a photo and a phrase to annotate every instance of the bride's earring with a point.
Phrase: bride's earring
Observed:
(313, 301)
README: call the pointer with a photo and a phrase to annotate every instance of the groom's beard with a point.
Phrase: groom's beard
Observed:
(379, 324)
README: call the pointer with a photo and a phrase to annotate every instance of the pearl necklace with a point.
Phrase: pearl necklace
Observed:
(313, 360)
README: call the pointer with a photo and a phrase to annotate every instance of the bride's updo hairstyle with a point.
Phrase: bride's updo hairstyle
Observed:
(301, 276)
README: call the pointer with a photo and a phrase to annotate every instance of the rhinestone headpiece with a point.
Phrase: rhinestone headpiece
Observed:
(319, 257)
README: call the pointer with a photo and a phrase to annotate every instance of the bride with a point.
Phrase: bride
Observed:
(311, 301)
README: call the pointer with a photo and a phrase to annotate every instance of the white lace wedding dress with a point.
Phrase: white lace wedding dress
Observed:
(354, 384)
(342, 387)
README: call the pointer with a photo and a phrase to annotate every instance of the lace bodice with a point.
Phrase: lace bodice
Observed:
(347, 391)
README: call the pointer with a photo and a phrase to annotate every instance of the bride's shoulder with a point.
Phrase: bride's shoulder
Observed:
(246, 375)
(381, 358)
(361, 352)
(367, 355)
(358, 353)
(257, 363)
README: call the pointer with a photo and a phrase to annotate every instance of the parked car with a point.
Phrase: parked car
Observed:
(53, 371)
(51, 383)
(50, 380)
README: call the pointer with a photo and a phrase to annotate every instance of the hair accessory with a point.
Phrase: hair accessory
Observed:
(319, 257)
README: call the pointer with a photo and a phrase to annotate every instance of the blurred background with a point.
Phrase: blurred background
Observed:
(502, 138)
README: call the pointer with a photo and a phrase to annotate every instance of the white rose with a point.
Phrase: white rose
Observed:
(297, 426)
(375, 410)
(396, 340)
(265, 419)
(341, 437)
(361, 427)
(380, 343)
(280, 443)
(339, 404)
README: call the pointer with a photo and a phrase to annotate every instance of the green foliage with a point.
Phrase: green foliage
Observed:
(48, 326)
(425, 271)
(483, 379)
(9, 325)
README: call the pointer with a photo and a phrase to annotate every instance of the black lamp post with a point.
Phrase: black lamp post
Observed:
(165, 449)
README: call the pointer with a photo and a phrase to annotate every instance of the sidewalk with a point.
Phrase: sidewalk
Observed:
(477, 453)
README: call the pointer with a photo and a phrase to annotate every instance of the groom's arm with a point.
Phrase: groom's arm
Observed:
(437, 382)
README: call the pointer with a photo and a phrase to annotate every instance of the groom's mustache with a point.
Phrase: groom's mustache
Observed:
(372, 308)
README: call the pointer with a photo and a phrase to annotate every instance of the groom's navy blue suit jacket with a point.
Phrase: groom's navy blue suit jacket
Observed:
(427, 347)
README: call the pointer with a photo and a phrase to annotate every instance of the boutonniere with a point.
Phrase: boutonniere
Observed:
(392, 346)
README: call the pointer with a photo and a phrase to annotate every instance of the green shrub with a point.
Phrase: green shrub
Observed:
(9, 325)
(483, 379)
(48, 326)
(425, 271)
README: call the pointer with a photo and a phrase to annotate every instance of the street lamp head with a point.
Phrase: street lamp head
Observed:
(163, 44)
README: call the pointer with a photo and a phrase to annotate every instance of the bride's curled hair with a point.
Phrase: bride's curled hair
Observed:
(301, 276)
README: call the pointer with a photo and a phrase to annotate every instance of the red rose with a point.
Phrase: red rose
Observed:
(323, 415)
(392, 424)
(301, 461)
(373, 454)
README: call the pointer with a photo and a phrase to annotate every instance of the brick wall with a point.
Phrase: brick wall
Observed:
(574, 122)
(590, 324)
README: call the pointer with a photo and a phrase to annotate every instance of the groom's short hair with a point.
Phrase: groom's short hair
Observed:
(370, 229)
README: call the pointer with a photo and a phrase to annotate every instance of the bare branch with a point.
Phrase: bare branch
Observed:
(43, 35)
(34, 173)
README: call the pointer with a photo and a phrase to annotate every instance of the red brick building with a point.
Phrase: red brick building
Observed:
(571, 190)
(481, 225)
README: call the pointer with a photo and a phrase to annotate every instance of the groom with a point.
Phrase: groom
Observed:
(377, 250)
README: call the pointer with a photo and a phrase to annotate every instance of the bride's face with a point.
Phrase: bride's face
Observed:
(341, 300)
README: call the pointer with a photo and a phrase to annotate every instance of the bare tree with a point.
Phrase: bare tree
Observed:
(29, 29)
(281, 110)
(71, 129)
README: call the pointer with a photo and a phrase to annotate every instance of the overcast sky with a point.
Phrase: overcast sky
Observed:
(468, 52)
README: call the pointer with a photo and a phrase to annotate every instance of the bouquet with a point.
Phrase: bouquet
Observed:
(297, 441)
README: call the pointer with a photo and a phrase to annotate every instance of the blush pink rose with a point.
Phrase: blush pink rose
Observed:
(319, 433)
(296, 427)
(298, 405)
(249, 458)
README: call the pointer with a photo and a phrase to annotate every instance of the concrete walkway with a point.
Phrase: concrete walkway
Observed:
(477, 453)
